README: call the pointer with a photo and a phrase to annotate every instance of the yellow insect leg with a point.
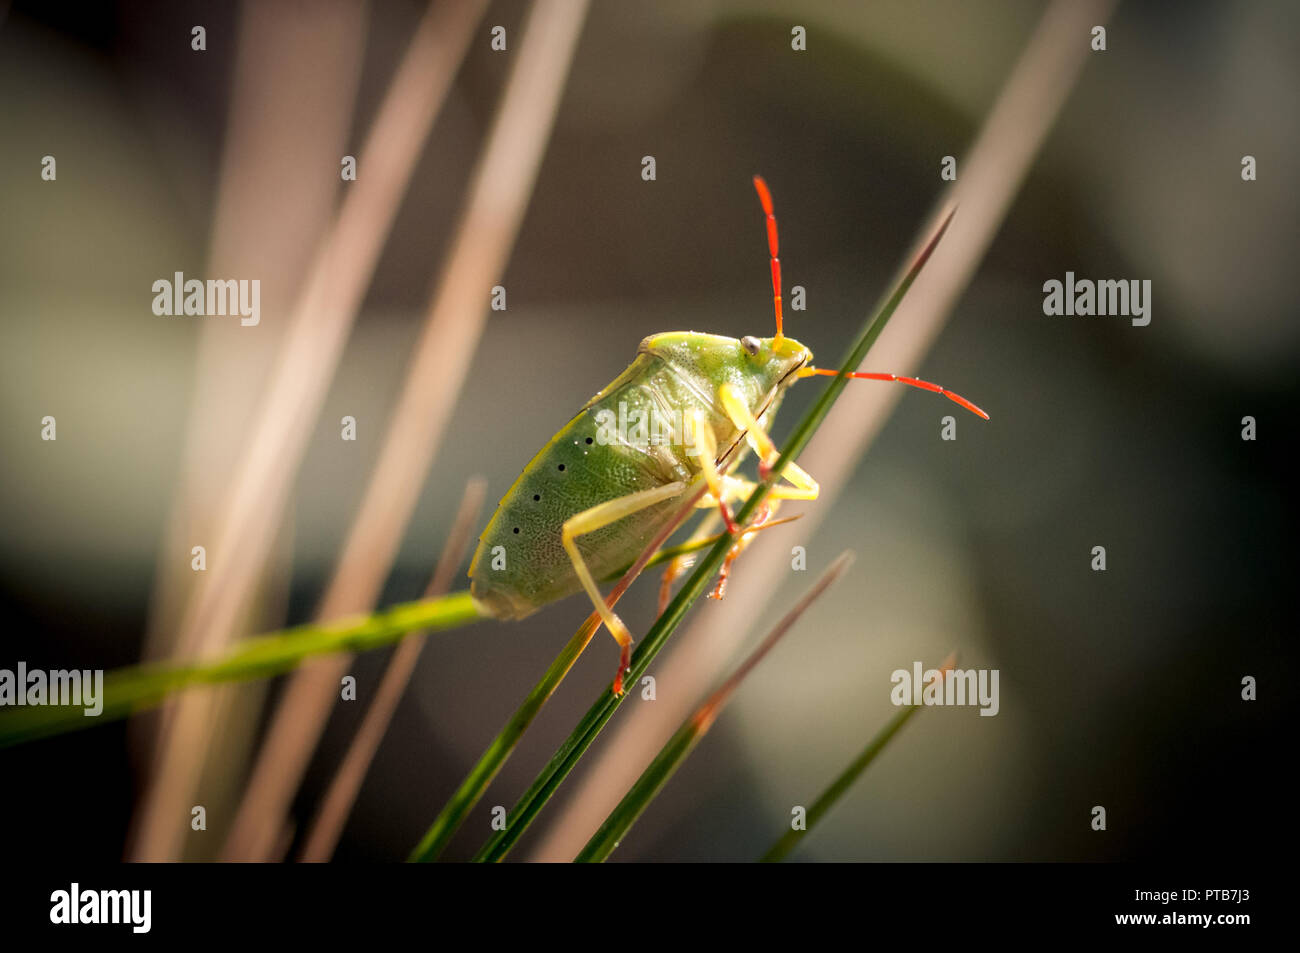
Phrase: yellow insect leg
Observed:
(598, 517)
(803, 487)
(678, 565)
(707, 447)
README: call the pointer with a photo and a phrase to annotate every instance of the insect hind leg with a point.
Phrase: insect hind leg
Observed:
(598, 517)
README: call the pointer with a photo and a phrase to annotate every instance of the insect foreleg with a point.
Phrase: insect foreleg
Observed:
(803, 487)
(707, 447)
(599, 516)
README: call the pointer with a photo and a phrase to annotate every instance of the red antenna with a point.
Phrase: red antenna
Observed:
(911, 381)
(765, 196)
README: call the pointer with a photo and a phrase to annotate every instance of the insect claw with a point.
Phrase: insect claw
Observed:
(624, 666)
(732, 526)
(720, 589)
(618, 687)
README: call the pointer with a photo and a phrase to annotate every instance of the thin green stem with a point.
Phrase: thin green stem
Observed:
(476, 782)
(638, 798)
(490, 763)
(684, 740)
(140, 687)
(827, 799)
(572, 749)
(787, 841)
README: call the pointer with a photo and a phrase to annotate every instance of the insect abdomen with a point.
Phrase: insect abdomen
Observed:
(520, 564)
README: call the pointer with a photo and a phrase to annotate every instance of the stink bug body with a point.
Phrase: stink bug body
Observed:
(677, 421)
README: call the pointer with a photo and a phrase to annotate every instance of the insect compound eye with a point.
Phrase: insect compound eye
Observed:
(750, 344)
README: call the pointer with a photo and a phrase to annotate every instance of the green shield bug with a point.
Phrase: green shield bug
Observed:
(676, 422)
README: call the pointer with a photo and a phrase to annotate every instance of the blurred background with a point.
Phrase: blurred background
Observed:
(1118, 688)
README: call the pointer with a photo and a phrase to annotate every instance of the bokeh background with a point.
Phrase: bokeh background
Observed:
(1118, 688)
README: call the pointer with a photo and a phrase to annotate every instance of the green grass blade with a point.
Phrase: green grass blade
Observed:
(638, 798)
(503, 745)
(787, 842)
(476, 782)
(684, 740)
(572, 749)
(139, 687)
(827, 798)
